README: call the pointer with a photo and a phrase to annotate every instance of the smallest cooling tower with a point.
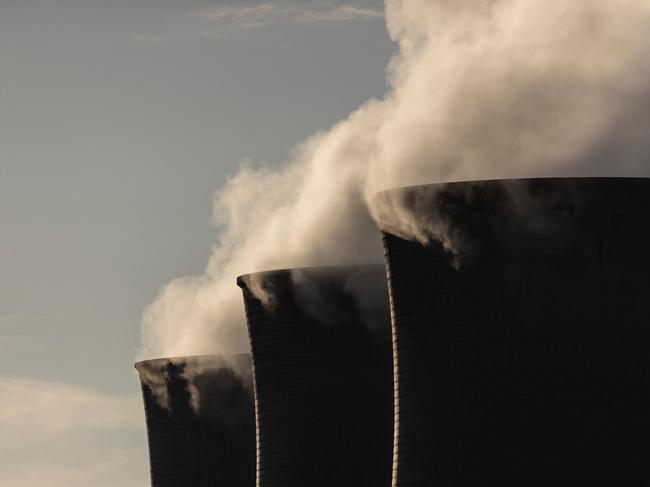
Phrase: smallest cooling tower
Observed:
(322, 364)
(200, 420)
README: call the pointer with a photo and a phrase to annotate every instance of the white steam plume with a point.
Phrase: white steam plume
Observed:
(479, 89)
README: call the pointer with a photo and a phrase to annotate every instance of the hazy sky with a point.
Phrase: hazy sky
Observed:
(118, 120)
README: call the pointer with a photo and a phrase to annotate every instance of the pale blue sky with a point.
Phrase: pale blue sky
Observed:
(118, 120)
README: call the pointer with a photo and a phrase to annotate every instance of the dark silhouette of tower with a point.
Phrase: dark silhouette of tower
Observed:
(521, 332)
(322, 362)
(200, 421)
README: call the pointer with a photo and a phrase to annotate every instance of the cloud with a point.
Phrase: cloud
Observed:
(62, 435)
(208, 21)
(234, 17)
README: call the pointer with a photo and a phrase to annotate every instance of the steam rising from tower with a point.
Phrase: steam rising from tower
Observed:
(479, 89)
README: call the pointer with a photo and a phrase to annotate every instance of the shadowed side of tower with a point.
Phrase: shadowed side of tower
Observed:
(200, 421)
(523, 345)
(322, 361)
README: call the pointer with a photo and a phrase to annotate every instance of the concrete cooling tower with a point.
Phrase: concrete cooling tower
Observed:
(521, 332)
(322, 363)
(200, 421)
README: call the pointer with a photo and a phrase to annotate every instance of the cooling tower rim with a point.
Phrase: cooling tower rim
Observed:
(575, 181)
(241, 280)
(191, 358)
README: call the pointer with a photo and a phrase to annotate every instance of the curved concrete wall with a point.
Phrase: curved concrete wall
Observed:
(322, 361)
(525, 358)
(200, 421)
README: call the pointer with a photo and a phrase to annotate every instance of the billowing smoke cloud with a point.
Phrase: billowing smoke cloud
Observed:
(479, 89)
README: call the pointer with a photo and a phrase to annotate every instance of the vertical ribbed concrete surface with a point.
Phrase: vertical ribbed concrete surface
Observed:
(200, 421)
(525, 359)
(322, 366)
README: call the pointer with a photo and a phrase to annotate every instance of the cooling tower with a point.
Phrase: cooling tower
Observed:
(200, 421)
(521, 332)
(322, 364)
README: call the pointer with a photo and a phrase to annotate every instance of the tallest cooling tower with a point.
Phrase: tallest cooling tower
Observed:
(521, 328)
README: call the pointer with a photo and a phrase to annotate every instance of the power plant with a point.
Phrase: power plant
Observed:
(506, 342)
